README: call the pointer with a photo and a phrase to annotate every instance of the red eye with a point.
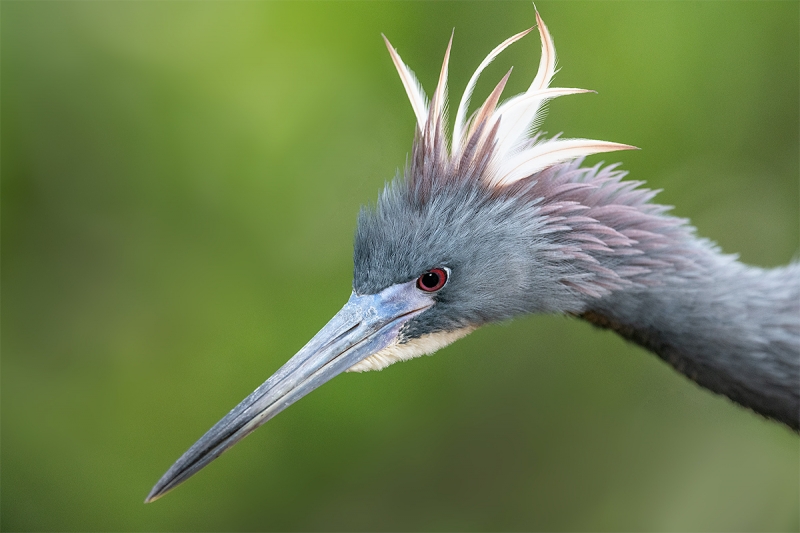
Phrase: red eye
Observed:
(432, 280)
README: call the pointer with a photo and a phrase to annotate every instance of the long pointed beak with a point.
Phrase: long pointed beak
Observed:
(364, 326)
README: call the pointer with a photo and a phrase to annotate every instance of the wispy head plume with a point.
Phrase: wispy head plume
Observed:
(506, 131)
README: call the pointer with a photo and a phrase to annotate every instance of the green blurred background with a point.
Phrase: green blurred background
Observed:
(180, 183)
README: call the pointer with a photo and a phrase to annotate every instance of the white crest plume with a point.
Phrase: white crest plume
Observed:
(507, 130)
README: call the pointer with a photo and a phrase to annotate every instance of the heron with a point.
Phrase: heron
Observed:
(493, 220)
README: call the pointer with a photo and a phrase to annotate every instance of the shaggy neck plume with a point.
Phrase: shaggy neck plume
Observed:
(732, 328)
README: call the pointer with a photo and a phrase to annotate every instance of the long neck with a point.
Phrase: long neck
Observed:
(731, 328)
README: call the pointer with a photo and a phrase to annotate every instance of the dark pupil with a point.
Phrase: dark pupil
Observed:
(430, 280)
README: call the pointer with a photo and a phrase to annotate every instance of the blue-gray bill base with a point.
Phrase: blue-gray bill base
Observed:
(495, 221)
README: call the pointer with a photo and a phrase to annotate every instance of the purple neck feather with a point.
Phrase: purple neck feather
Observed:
(732, 328)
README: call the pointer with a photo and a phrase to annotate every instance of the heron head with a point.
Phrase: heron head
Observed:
(460, 240)
(486, 249)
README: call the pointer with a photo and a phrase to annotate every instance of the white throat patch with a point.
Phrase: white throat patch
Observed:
(395, 352)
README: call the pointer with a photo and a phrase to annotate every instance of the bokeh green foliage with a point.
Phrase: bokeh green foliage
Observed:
(180, 183)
